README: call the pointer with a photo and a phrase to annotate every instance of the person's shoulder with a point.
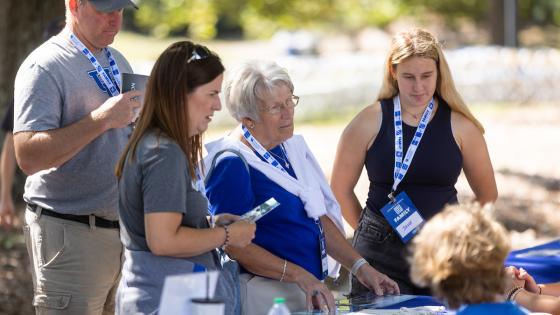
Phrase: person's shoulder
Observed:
(462, 125)
(156, 144)
(47, 56)
(232, 163)
(39, 56)
(229, 170)
(370, 113)
(296, 139)
(366, 122)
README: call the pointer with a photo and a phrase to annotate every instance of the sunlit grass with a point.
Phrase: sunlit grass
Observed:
(137, 47)
(141, 48)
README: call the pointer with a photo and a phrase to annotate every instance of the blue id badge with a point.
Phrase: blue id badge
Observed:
(323, 248)
(198, 268)
(403, 216)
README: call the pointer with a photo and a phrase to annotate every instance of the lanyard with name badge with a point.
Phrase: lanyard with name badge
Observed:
(254, 143)
(103, 76)
(400, 212)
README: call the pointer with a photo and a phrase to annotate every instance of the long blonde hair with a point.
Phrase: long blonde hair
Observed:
(174, 75)
(421, 43)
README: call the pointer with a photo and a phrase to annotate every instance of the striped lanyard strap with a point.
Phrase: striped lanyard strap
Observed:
(254, 143)
(103, 76)
(401, 167)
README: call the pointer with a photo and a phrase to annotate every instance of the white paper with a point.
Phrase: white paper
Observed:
(422, 310)
(545, 252)
(179, 290)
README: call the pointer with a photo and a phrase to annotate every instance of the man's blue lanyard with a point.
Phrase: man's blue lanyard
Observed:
(103, 76)
(254, 143)
(401, 167)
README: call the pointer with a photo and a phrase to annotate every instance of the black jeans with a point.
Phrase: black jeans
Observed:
(376, 241)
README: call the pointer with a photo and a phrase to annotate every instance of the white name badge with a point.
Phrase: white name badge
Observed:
(403, 216)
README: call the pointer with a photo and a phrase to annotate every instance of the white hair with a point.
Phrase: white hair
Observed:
(249, 86)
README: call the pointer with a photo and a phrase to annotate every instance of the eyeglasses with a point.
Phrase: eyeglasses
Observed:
(198, 53)
(277, 108)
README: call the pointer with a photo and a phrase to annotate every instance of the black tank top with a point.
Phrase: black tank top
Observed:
(430, 180)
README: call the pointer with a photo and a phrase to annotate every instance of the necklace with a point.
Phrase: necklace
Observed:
(415, 116)
(284, 159)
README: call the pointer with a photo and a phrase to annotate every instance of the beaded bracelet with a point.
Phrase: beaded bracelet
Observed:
(226, 242)
(514, 294)
(284, 270)
(356, 266)
(511, 292)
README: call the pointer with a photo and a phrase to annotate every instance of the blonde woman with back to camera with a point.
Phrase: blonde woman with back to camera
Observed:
(460, 255)
(414, 142)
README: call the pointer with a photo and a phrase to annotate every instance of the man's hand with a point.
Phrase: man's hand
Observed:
(118, 111)
(7, 214)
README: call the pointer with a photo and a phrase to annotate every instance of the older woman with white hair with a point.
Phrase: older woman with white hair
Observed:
(288, 257)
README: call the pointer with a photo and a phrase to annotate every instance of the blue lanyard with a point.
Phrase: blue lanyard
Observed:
(254, 143)
(111, 88)
(401, 167)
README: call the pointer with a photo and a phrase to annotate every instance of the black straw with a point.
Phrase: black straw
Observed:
(207, 285)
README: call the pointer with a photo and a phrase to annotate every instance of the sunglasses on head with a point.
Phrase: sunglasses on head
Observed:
(198, 53)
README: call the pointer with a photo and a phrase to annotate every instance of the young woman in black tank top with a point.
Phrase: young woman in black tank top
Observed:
(416, 72)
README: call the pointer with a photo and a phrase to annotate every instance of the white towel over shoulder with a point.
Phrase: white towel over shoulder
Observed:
(310, 186)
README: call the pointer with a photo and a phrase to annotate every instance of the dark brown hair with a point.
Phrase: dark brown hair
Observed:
(175, 74)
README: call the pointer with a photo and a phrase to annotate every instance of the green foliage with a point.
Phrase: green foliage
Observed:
(452, 11)
(261, 18)
(163, 17)
(355, 14)
(203, 17)
(540, 12)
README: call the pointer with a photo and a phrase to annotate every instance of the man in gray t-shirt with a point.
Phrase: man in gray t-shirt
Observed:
(70, 125)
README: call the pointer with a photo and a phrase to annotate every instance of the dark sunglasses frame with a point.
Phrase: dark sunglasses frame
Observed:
(198, 53)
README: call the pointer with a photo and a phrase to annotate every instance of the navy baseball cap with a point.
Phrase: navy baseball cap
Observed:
(112, 5)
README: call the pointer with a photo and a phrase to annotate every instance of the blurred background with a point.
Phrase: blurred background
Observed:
(504, 56)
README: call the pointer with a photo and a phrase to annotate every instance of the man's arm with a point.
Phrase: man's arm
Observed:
(7, 170)
(36, 151)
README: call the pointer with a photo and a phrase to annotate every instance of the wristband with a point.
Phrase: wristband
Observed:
(284, 270)
(356, 266)
(512, 292)
(226, 241)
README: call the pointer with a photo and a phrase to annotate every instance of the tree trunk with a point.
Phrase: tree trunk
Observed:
(496, 21)
(502, 20)
(21, 30)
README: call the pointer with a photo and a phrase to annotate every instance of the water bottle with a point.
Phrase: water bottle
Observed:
(279, 307)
